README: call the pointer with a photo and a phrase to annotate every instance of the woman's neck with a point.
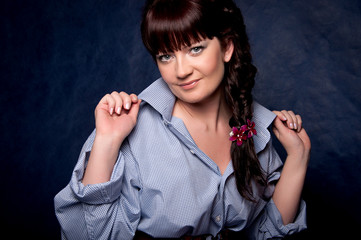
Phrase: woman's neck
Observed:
(208, 115)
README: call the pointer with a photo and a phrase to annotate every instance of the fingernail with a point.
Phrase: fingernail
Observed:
(295, 125)
(111, 111)
(291, 125)
(127, 106)
(118, 110)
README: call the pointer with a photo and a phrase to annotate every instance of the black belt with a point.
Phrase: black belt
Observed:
(225, 235)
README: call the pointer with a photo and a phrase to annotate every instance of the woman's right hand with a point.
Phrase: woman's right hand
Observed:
(116, 115)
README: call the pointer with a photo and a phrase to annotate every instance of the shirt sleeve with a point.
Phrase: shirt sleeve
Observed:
(100, 211)
(268, 224)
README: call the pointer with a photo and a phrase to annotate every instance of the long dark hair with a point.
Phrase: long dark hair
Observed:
(169, 25)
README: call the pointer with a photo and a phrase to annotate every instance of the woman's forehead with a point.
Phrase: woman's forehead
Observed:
(174, 42)
(183, 47)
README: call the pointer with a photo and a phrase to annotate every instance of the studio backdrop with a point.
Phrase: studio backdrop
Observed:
(58, 58)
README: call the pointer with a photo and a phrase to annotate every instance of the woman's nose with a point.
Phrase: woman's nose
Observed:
(183, 67)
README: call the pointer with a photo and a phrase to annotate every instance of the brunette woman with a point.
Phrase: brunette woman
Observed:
(193, 158)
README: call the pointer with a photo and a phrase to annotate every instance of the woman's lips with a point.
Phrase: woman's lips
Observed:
(189, 85)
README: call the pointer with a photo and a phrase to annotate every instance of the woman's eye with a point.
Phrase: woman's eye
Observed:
(164, 57)
(197, 50)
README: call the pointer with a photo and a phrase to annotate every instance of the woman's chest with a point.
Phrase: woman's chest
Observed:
(215, 145)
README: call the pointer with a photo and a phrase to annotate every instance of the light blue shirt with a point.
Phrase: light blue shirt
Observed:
(164, 185)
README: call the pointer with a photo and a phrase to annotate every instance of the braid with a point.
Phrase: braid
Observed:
(239, 82)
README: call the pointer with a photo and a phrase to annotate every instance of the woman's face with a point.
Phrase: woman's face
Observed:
(194, 73)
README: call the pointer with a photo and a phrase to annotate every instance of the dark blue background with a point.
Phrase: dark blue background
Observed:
(58, 58)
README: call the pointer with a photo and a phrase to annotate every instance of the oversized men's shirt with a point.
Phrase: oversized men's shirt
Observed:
(164, 185)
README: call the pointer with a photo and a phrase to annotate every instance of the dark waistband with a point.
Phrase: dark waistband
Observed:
(224, 235)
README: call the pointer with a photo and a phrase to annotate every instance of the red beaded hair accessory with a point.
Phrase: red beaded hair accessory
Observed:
(242, 133)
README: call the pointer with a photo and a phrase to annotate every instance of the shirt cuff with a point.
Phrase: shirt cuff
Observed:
(97, 193)
(273, 226)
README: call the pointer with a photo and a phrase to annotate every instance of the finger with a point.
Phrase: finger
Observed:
(277, 125)
(134, 98)
(290, 118)
(299, 123)
(135, 109)
(280, 115)
(118, 102)
(108, 103)
(294, 119)
(127, 100)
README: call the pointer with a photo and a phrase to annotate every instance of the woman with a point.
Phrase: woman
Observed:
(194, 156)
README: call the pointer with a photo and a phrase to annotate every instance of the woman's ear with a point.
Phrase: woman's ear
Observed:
(228, 51)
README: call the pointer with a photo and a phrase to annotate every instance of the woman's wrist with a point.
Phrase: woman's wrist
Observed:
(288, 189)
(298, 158)
(102, 159)
(110, 142)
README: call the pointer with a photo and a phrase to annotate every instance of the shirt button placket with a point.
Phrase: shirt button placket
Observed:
(166, 123)
(218, 214)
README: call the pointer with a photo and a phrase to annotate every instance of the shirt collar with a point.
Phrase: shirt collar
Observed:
(262, 118)
(160, 97)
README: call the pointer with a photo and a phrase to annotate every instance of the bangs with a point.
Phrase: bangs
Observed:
(172, 25)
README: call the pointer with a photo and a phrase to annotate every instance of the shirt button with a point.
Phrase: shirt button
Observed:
(218, 218)
(192, 151)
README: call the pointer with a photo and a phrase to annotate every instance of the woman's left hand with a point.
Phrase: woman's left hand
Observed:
(287, 127)
(289, 131)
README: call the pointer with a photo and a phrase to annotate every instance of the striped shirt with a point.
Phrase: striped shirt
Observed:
(164, 185)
